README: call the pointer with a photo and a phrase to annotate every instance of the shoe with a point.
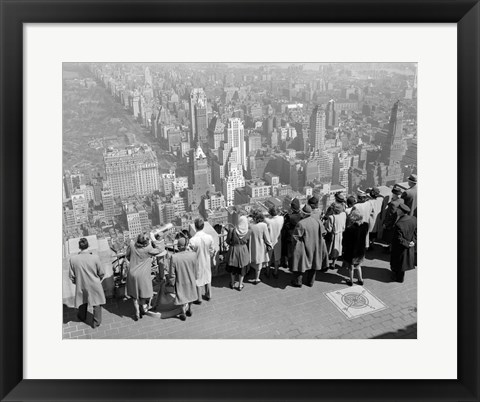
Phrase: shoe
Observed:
(197, 302)
(295, 284)
(240, 288)
(360, 283)
(189, 313)
(349, 282)
(232, 286)
(325, 269)
(136, 317)
(183, 317)
(207, 298)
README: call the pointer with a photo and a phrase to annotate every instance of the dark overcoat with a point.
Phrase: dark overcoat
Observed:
(410, 198)
(402, 257)
(289, 225)
(182, 275)
(390, 218)
(86, 272)
(308, 252)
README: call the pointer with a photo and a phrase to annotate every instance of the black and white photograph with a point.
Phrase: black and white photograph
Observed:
(239, 200)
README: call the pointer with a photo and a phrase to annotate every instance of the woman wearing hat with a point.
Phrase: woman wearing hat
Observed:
(238, 258)
(139, 278)
(335, 226)
(291, 220)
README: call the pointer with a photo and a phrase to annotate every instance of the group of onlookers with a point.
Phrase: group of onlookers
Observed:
(305, 240)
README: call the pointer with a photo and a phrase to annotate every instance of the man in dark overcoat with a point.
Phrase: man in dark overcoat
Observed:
(86, 273)
(404, 239)
(307, 254)
(317, 214)
(410, 195)
(182, 278)
(391, 215)
(291, 220)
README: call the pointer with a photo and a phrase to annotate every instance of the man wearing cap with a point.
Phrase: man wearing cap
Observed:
(291, 220)
(308, 255)
(86, 273)
(404, 239)
(391, 214)
(181, 278)
(410, 195)
(202, 244)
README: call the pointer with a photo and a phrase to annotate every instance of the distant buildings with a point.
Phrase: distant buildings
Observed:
(317, 128)
(132, 171)
(198, 115)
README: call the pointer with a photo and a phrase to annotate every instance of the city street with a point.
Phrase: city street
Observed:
(271, 309)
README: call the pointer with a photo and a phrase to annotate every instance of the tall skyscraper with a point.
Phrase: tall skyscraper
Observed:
(80, 208)
(198, 116)
(331, 118)
(132, 171)
(199, 179)
(108, 203)
(235, 140)
(317, 128)
(394, 146)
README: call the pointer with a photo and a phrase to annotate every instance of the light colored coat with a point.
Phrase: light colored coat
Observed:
(309, 250)
(259, 240)
(86, 273)
(366, 210)
(202, 244)
(336, 224)
(181, 277)
(275, 225)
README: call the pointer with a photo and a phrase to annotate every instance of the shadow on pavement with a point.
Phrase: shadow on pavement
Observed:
(120, 307)
(330, 277)
(376, 274)
(70, 314)
(409, 332)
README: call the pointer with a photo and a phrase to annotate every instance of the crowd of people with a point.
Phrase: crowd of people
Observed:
(304, 240)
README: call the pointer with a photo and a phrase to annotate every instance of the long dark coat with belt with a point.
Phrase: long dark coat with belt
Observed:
(308, 252)
(86, 272)
(402, 257)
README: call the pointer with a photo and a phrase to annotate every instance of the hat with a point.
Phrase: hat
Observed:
(295, 205)
(340, 197)
(313, 202)
(396, 191)
(307, 210)
(412, 178)
(404, 208)
(375, 192)
(181, 242)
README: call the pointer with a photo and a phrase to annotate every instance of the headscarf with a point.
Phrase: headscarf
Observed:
(242, 226)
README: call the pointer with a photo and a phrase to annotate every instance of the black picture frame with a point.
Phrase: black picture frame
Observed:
(14, 13)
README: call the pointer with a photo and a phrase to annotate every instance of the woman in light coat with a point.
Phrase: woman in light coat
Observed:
(335, 226)
(275, 224)
(139, 278)
(260, 244)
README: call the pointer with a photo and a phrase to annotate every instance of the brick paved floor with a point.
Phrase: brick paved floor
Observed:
(271, 309)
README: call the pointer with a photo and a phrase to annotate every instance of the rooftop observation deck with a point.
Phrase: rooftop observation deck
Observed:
(271, 309)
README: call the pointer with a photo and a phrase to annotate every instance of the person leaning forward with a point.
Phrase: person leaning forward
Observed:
(86, 273)
(308, 253)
